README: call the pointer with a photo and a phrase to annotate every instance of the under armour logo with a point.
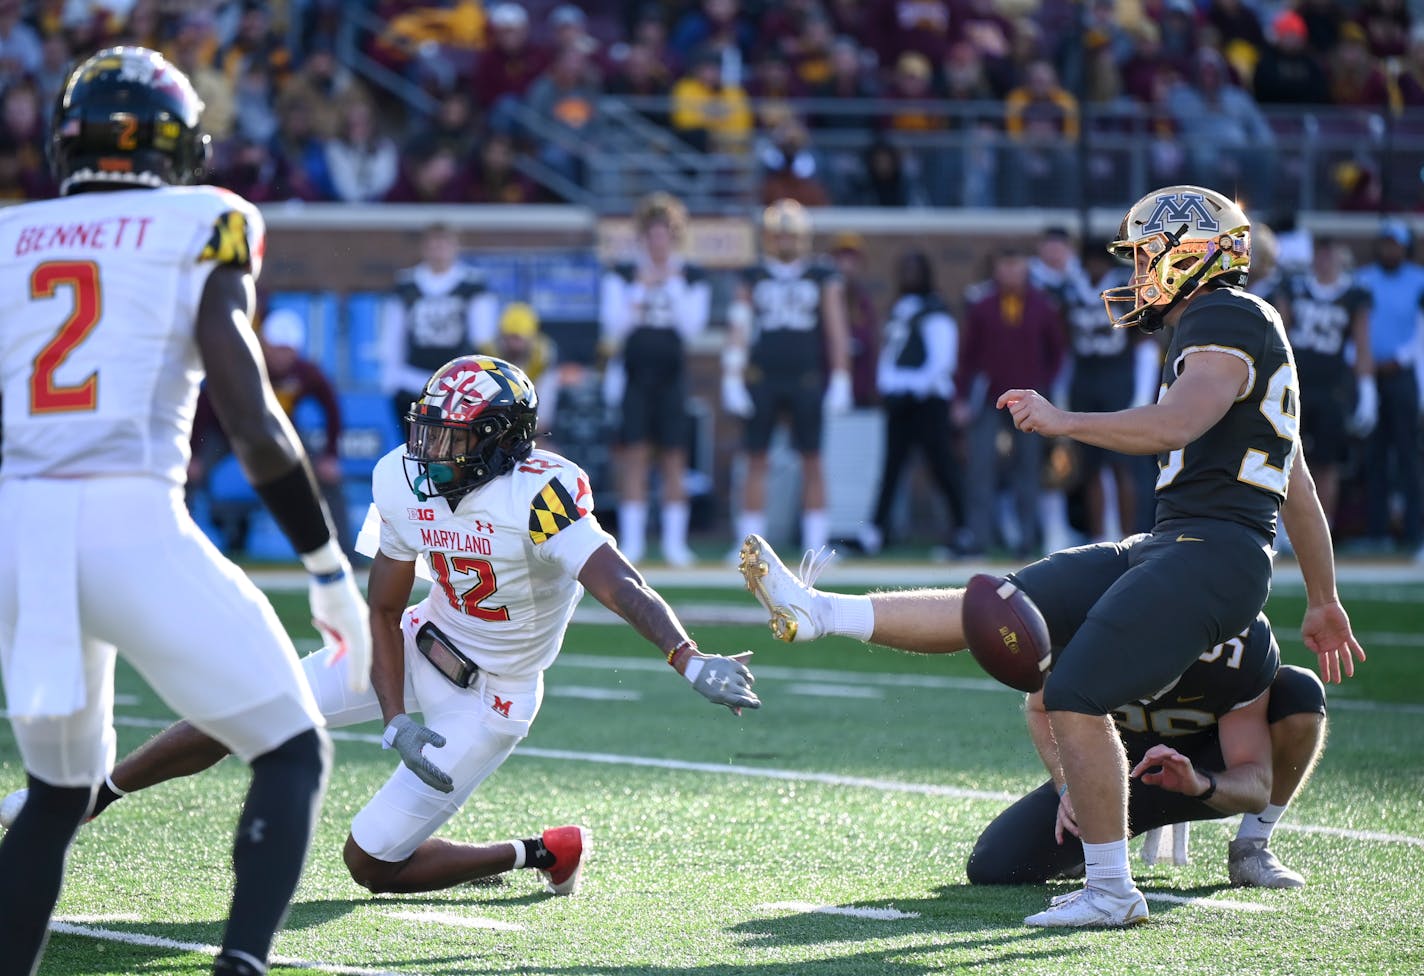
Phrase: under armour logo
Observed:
(502, 706)
(486, 527)
(1184, 207)
(256, 831)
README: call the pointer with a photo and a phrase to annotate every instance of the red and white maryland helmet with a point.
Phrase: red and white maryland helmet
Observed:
(474, 422)
(1177, 239)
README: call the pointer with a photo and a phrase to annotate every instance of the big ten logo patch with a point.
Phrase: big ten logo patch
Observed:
(420, 514)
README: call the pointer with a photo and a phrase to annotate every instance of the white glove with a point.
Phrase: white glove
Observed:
(839, 398)
(736, 399)
(615, 381)
(1366, 407)
(339, 612)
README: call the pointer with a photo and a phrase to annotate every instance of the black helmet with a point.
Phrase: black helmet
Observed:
(474, 422)
(128, 117)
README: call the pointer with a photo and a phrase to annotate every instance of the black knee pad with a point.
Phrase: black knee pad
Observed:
(307, 752)
(1295, 691)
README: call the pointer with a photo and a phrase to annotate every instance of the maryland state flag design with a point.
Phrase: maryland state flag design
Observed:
(228, 244)
(554, 509)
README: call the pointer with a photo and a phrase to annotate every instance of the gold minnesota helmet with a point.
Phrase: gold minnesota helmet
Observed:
(1177, 239)
(790, 218)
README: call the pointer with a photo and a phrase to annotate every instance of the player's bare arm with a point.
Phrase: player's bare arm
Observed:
(1243, 787)
(615, 583)
(1209, 384)
(1326, 626)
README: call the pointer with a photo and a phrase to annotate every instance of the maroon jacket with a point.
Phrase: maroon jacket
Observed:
(1013, 340)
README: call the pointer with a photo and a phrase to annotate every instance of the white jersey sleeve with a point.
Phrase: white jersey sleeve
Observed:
(99, 293)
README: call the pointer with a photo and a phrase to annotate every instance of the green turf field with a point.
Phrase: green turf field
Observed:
(861, 784)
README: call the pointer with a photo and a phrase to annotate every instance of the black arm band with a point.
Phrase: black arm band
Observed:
(1211, 788)
(297, 509)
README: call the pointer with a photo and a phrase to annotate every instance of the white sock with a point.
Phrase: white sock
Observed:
(109, 782)
(675, 516)
(815, 528)
(1106, 866)
(1258, 826)
(518, 846)
(632, 529)
(847, 615)
(750, 523)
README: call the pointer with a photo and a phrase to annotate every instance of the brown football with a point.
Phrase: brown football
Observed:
(1006, 632)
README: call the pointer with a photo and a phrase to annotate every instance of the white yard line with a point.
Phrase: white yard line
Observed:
(459, 921)
(1225, 904)
(592, 694)
(878, 914)
(814, 690)
(159, 942)
(96, 919)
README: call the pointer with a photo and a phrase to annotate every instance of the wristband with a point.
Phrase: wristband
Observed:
(326, 563)
(1211, 787)
(687, 643)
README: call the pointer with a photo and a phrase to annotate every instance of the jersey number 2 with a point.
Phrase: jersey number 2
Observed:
(469, 601)
(46, 396)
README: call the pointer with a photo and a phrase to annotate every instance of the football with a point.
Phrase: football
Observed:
(1006, 633)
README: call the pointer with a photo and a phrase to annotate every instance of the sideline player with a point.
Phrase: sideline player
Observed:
(509, 535)
(112, 304)
(1236, 733)
(787, 357)
(1225, 429)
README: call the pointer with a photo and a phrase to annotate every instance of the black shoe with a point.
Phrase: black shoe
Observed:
(225, 965)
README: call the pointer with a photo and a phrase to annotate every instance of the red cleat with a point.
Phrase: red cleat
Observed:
(569, 845)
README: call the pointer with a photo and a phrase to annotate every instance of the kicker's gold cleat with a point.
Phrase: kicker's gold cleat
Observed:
(788, 599)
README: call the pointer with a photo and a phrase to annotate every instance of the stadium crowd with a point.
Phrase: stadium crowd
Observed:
(290, 120)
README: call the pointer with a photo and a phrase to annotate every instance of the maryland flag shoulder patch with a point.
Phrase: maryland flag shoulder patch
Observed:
(228, 243)
(554, 509)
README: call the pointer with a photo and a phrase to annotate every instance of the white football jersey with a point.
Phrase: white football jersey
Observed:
(99, 293)
(505, 562)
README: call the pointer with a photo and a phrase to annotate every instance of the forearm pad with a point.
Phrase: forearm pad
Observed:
(296, 506)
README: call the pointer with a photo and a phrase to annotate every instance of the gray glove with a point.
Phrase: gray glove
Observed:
(723, 680)
(407, 736)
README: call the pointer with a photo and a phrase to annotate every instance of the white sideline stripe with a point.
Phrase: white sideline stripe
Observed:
(593, 694)
(159, 942)
(791, 775)
(92, 919)
(122, 698)
(1225, 904)
(878, 914)
(814, 690)
(459, 921)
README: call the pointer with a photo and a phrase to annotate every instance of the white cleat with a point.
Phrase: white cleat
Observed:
(1091, 908)
(789, 599)
(679, 557)
(11, 806)
(1250, 864)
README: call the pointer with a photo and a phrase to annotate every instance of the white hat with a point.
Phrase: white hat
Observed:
(283, 327)
(509, 15)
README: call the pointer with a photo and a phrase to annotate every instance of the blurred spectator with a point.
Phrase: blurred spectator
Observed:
(772, 84)
(847, 79)
(1396, 287)
(778, 31)
(256, 46)
(884, 182)
(430, 173)
(53, 71)
(1288, 73)
(511, 63)
(453, 127)
(852, 18)
(923, 27)
(23, 173)
(566, 97)
(815, 44)
(1144, 64)
(520, 342)
(256, 119)
(192, 51)
(300, 153)
(434, 42)
(789, 168)
(21, 53)
(1229, 143)
(1323, 19)
(915, 380)
(321, 78)
(1237, 26)
(1410, 81)
(651, 31)
(1386, 26)
(649, 308)
(912, 82)
(848, 252)
(1041, 119)
(1091, 63)
(715, 27)
(362, 163)
(992, 35)
(1327, 316)
(1355, 78)
(570, 28)
(641, 73)
(1012, 338)
(1177, 20)
(253, 172)
(706, 113)
(438, 310)
(496, 180)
